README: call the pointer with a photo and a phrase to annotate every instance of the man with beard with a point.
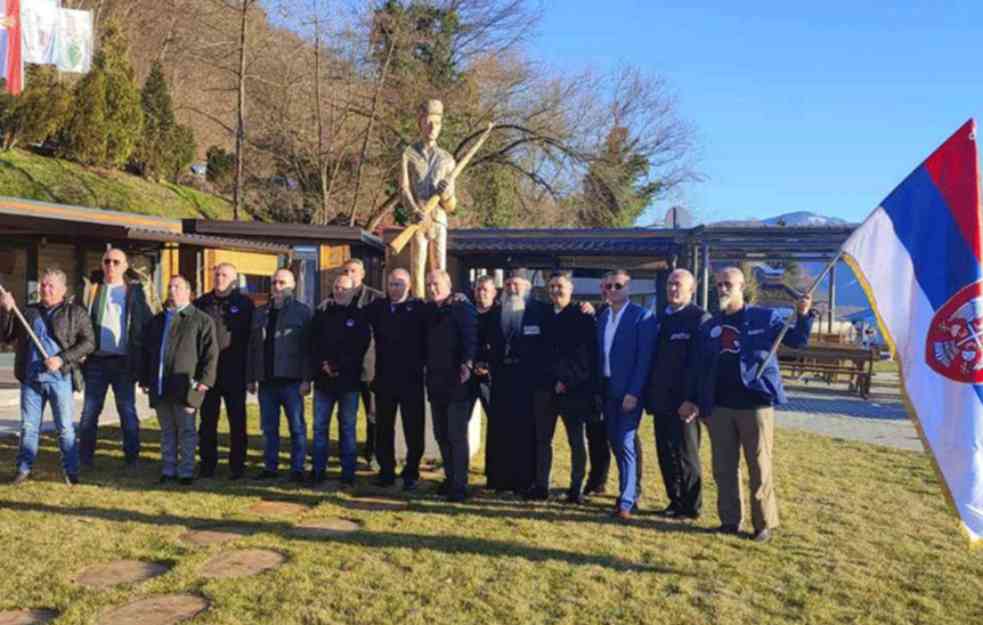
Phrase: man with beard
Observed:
(341, 335)
(399, 324)
(452, 342)
(362, 296)
(518, 370)
(232, 313)
(677, 441)
(737, 404)
(571, 342)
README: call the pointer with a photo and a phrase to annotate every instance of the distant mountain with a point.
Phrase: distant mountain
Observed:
(797, 218)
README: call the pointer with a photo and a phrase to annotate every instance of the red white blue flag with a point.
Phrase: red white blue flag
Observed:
(11, 59)
(918, 257)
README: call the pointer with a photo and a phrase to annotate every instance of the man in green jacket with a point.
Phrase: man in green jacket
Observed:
(180, 359)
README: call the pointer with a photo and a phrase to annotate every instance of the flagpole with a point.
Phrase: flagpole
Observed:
(791, 319)
(27, 327)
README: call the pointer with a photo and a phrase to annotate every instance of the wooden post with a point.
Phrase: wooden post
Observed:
(706, 277)
(832, 300)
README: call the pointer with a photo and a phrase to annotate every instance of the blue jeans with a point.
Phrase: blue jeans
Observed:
(100, 374)
(324, 403)
(273, 395)
(33, 397)
(622, 430)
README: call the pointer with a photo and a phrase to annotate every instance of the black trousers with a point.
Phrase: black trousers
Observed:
(450, 428)
(546, 410)
(235, 411)
(368, 402)
(678, 446)
(412, 412)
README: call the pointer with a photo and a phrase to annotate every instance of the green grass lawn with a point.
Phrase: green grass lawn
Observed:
(866, 538)
(28, 175)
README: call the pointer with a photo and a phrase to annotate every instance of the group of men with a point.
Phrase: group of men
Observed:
(528, 362)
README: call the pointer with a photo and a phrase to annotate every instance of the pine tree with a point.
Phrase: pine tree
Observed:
(124, 116)
(183, 147)
(38, 112)
(153, 155)
(84, 137)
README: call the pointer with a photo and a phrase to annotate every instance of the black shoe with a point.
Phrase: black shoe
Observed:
(297, 477)
(763, 536)
(236, 476)
(728, 528)
(690, 515)
(409, 485)
(71, 479)
(21, 477)
(317, 477)
(574, 498)
(457, 497)
(537, 494)
(444, 489)
(129, 461)
(598, 489)
(266, 474)
(670, 511)
(206, 472)
(384, 481)
(186, 481)
(164, 479)
(348, 481)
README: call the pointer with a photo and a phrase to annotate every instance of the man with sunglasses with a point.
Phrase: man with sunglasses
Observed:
(119, 310)
(736, 403)
(625, 334)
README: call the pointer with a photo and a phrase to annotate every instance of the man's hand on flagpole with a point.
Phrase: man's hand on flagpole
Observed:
(6, 300)
(804, 304)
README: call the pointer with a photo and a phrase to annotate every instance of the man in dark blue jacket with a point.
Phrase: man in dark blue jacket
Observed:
(736, 404)
(452, 342)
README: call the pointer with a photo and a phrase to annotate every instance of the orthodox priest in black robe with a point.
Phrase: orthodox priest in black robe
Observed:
(518, 370)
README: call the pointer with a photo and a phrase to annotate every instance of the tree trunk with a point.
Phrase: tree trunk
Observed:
(240, 113)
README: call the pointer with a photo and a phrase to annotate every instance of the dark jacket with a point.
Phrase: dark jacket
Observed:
(190, 357)
(138, 315)
(485, 333)
(526, 349)
(399, 335)
(365, 296)
(571, 343)
(341, 336)
(759, 330)
(70, 327)
(452, 341)
(675, 359)
(233, 316)
(291, 343)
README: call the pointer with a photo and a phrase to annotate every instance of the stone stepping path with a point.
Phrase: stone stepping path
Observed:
(109, 574)
(27, 617)
(325, 528)
(242, 563)
(159, 610)
(212, 536)
(278, 508)
(378, 504)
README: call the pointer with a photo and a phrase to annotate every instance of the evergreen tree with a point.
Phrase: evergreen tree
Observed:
(183, 148)
(153, 156)
(84, 137)
(38, 112)
(124, 116)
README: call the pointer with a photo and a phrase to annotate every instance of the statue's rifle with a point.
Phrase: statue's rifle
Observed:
(404, 237)
(27, 328)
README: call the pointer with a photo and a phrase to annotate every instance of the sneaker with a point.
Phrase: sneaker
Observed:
(21, 477)
(763, 536)
(71, 479)
(267, 474)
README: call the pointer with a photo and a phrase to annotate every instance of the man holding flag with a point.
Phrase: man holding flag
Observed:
(918, 258)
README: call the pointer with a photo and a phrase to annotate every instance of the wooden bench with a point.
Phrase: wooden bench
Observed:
(830, 363)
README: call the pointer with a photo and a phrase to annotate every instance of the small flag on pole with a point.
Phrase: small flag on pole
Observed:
(11, 58)
(918, 257)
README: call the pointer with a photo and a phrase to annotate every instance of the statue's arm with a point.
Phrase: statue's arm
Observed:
(409, 202)
(448, 197)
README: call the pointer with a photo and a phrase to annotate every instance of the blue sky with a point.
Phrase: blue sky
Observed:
(798, 106)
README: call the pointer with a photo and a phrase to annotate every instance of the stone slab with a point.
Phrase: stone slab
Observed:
(27, 617)
(242, 563)
(109, 574)
(325, 528)
(212, 536)
(159, 610)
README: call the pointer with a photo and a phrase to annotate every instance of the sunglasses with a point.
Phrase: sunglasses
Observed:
(112, 261)
(612, 286)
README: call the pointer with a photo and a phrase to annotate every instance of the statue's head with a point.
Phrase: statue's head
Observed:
(430, 119)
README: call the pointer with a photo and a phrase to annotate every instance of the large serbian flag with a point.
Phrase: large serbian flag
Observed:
(11, 61)
(918, 257)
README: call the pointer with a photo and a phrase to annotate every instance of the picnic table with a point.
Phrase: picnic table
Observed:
(831, 363)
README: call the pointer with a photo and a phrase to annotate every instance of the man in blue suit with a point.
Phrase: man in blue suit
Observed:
(625, 333)
(737, 404)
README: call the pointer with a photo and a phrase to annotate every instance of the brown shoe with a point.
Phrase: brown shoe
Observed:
(623, 515)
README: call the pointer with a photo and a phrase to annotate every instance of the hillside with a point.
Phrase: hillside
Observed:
(28, 175)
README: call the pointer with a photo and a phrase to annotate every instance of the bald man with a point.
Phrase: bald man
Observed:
(279, 368)
(677, 441)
